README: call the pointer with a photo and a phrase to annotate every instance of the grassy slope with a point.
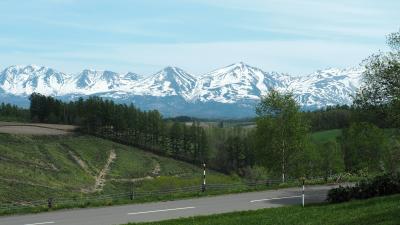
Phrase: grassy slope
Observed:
(38, 167)
(382, 210)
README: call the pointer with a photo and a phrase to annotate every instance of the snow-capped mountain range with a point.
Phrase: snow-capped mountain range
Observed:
(229, 92)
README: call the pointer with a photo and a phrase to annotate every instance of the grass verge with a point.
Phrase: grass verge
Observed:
(381, 210)
(99, 200)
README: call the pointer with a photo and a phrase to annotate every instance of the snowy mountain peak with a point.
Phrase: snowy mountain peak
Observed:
(171, 81)
(92, 81)
(132, 76)
(326, 87)
(237, 65)
(31, 78)
(24, 68)
(87, 77)
(234, 83)
(172, 73)
(172, 69)
(109, 75)
(239, 68)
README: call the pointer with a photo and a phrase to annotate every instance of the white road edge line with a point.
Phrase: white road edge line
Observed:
(161, 210)
(269, 199)
(40, 223)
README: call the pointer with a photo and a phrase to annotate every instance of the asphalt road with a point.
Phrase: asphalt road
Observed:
(172, 209)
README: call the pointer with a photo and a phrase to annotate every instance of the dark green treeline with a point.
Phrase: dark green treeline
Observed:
(10, 112)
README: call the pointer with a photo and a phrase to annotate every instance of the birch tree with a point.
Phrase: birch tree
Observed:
(281, 132)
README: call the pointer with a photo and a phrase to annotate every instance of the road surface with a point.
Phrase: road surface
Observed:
(172, 209)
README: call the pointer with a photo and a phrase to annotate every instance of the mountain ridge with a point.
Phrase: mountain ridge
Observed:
(174, 91)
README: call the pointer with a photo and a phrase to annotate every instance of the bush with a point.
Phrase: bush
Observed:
(386, 184)
(340, 194)
(256, 173)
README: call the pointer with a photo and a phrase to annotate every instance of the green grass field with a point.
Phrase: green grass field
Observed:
(38, 167)
(381, 210)
(325, 136)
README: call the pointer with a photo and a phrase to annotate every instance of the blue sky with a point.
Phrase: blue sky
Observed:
(143, 36)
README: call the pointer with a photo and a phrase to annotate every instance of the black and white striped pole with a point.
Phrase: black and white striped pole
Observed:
(302, 193)
(203, 187)
(132, 195)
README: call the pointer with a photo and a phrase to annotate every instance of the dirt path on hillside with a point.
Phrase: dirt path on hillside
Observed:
(154, 173)
(80, 162)
(100, 179)
(133, 180)
(157, 169)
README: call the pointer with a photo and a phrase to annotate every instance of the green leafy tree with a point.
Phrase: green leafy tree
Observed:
(392, 157)
(393, 41)
(256, 173)
(203, 146)
(175, 135)
(10, 112)
(381, 87)
(363, 145)
(331, 159)
(282, 133)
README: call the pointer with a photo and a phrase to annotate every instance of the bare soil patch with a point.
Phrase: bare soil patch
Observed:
(156, 171)
(36, 128)
(79, 161)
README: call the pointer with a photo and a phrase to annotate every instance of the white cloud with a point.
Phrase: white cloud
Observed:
(295, 57)
(348, 18)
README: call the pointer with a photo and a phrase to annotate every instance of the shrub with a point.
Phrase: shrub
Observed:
(386, 184)
(256, 173)
(340, 194)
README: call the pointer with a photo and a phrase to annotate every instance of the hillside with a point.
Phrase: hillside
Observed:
(38, 167)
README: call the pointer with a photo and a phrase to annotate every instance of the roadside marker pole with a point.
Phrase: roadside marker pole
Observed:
(203, 187)
(50, 203)
(131, 195)
(302, 195)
